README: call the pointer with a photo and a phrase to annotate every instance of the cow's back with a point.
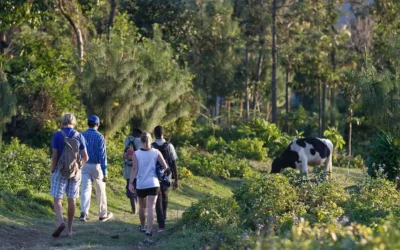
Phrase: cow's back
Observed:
(315, 150)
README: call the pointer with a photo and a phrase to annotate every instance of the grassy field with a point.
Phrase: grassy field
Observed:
(27, 219)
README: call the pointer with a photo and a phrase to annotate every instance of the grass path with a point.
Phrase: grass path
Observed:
(27, 221)
(20, 229)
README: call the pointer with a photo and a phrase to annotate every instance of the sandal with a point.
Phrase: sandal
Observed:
(58, 230)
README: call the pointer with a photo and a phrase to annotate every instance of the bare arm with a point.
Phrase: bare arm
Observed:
(134, 171)
(54, 160)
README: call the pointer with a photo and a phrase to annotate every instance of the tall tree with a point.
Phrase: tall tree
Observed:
(127, 76)
(78, 33)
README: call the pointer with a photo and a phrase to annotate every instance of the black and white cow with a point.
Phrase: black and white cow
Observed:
(304, 152)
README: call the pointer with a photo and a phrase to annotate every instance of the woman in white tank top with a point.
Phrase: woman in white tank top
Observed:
(147, 185)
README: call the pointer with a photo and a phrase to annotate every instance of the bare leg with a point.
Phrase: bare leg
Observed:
(151, 204)
(71, 213)
(58, 210)
(61, 223)
(142, 208)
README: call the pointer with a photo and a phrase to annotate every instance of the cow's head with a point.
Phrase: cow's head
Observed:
(289, 158)
(277, 165)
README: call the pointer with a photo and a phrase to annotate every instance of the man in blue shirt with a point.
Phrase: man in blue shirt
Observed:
(94, 171)
(59, 183)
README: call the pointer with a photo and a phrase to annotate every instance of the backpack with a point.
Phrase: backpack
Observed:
(70, 162)
(129, 149)
(163, 176)
(131, 144)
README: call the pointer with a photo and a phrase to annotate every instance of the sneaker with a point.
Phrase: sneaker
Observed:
(160, 230)
(83, 217)
(142, 229)
(149, 233)
(109, 216)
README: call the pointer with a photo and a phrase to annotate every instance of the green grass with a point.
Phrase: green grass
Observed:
(27, 219)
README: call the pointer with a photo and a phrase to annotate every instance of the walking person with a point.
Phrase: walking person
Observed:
(169, 154)
(131, 144)
(94, 171)
(147, 184)
(66, 181)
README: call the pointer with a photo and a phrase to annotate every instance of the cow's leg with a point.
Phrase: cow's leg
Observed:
(304, 167)
(328, 167)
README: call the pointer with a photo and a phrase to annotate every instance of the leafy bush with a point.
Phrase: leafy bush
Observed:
(334, 236)
(269, 133)
(184, 173)
(217, 165)
(385, 155)
(323, 201)
(335, 137)
(216, 144)
(22, 167)
(213, 212)
(252, 149)
(342, 161)
(269, 196)
(373, 201)
(218, 221)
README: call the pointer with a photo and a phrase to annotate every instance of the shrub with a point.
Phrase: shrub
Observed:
(268, 196)
(269, 133)
(252, 149)
(184, 173)
(24, 167)
(385, 155)
(335, 137)
(373, 201)
(341, 160)
(334, 236)
(249, 148)
(213, 212)
(323, 201)
(216, 165)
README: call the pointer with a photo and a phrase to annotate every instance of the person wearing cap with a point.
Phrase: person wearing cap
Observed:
(94, 171)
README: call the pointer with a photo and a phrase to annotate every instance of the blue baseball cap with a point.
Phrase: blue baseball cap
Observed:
(94, 119)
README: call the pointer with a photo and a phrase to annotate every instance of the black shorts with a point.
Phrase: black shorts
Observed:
(143, 193)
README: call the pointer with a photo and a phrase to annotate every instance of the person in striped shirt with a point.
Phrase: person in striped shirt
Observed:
(94, 171)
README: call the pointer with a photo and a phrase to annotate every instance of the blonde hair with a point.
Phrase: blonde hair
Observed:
(68, 119)
(146, 139)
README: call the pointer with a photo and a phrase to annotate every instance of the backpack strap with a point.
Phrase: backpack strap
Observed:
(64, 134)
(76, 134)
(131, 142)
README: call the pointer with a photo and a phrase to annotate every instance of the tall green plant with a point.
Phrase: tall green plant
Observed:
(384, 156)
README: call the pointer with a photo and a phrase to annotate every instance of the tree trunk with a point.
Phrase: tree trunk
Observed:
(332, 113)
(228, 108)
(287, 97)
(350, 130)
(323, 104)
(217, 108)
(319, 110)
(268, 111)
(247, 82)
(257, 81)
(241, 108)
(274, 63)
(3, 41)
(78, 33)
(113, 8)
